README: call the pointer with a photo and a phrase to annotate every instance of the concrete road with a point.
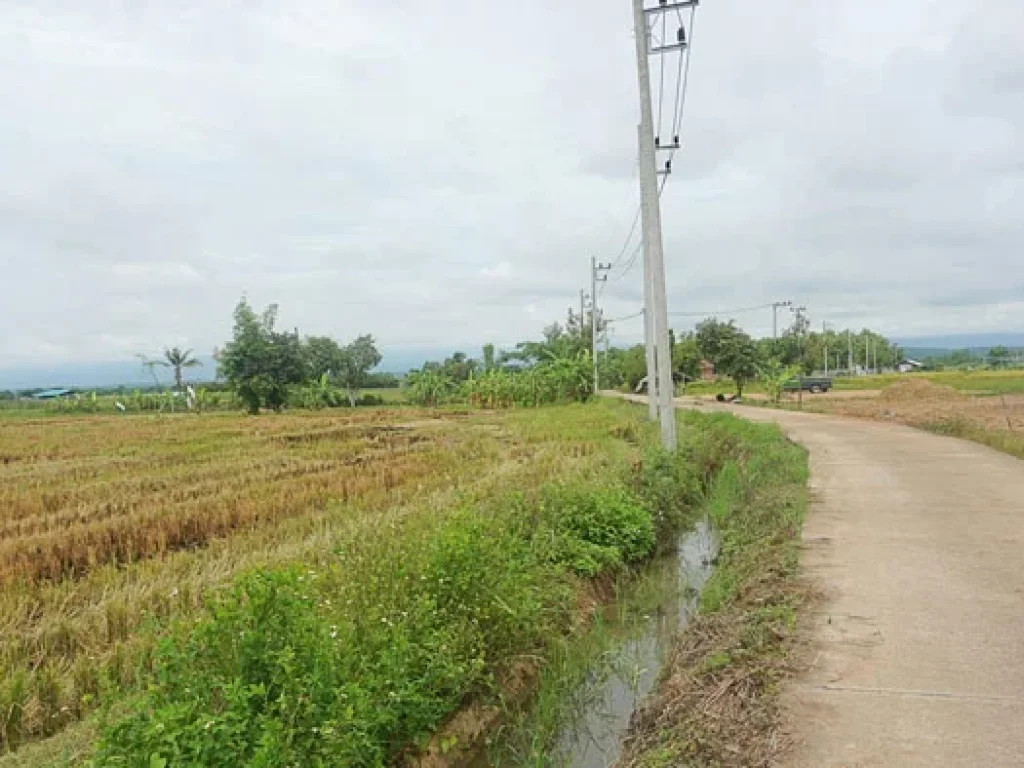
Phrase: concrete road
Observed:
(917, 542)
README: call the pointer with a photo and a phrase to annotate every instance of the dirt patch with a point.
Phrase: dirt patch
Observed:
(926, 405)
(920, 390)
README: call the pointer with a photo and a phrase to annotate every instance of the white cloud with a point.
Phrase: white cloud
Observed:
(160, 271)
(424, 171)
(500, 271)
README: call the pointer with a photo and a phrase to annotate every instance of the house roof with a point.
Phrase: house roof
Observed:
(46, 393)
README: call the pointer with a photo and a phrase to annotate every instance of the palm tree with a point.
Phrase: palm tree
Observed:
(178, 359)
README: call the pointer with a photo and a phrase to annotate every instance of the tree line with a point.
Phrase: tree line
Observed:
(734, 353)
(262, 365)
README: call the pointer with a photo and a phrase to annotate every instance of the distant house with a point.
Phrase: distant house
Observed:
(53, 394)
(907, 365)
(707, 370)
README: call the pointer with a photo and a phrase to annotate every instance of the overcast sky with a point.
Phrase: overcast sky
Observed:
(438, 172)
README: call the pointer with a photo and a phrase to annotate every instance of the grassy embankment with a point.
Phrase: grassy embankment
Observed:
(311, 589)
(717, 703)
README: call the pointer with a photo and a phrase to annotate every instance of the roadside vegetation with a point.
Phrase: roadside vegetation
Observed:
(387, 570)
(718, 700)
(341, 555)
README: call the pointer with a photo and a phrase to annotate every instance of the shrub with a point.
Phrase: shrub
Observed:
(600, 530)
(350, 664)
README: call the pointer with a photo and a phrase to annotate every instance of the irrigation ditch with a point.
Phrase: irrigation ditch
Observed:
(684, 662)
(642, 641)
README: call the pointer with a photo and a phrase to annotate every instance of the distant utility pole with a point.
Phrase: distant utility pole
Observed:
(583, 309)
(849, 344)
(775, 318)
(595, 267)
(655, 300)
(824, 340)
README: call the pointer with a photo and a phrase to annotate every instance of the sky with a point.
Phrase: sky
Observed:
(439, 173)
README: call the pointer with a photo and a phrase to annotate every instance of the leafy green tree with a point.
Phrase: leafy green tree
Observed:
(357, 360)
(260, 363)
(1000, 357)
(178, 359)
(738, 359)
(488, 357)
(324, 356)
(686, 356)
(712, 336)
(459, 367)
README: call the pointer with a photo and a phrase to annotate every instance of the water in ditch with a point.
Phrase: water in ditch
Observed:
(592, 733)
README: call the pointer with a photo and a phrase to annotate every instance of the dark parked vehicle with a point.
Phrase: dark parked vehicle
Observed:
(809, 384)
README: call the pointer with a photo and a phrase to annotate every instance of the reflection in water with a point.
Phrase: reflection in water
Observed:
(591, 738)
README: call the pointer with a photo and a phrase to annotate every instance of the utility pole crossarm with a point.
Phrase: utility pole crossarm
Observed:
(666, 7)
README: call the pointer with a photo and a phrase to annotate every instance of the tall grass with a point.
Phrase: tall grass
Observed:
(66, 644)
(361, 660)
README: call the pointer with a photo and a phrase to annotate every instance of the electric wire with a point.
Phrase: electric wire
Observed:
(683, 77)
(682, 88)
(661, 83)
(737, 311)
(639, 245)
(624, 317)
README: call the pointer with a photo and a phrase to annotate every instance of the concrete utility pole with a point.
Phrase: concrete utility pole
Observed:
(849, 343)
(775, 318)
(656, 303)
(594, 280)
(824, 341)
(649, 353)
(583, 309)
(799, 312)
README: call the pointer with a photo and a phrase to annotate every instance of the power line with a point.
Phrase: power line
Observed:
(639, 245)
(629, 237)
(661, 84)
(682, 88)
(624, 317)
(737, 311)
(683, 77)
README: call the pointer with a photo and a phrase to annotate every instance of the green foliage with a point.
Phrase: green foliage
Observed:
(323, 355)
(459, 367)
(712, 336)
(179, 359)
(350, 663)
(669, 485)
(260, 363)
(774, 375)
(601, 530)
(553, 381)
(686, 356)
(1000, 357)
(429, 388)
(738, 359)
(357, 360)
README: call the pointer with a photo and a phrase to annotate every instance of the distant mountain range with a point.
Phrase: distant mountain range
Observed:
(976, 343)
(963, 341)
(129, 373)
